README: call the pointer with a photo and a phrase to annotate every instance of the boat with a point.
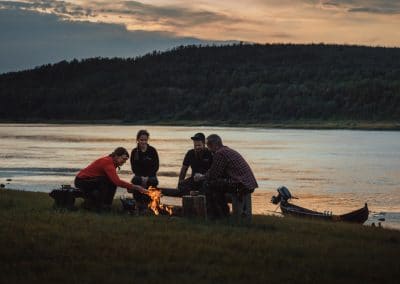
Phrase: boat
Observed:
(357, 216)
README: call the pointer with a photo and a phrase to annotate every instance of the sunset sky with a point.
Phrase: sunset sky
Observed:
(39, 32)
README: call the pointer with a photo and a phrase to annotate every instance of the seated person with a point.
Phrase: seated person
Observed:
(99, 180)
(229, 173)
(199, 159)
(144, 164)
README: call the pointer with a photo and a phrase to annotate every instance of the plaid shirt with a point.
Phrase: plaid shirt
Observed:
(227, 163)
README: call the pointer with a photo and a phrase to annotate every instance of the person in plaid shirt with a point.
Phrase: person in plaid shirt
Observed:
(229, 173)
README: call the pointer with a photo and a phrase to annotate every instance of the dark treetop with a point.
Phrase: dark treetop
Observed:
(237, 83)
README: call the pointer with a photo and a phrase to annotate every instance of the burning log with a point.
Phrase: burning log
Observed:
(155, 204)
(192, 205)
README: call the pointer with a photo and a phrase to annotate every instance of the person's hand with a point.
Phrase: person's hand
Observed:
(198, 177)
(141, 189)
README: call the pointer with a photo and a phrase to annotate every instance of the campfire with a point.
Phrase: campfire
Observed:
(155, 204)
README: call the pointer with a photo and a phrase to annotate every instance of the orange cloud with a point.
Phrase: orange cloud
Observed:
(368, 22)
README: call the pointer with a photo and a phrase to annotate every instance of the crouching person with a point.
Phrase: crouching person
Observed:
(99, 180)
(229, 173)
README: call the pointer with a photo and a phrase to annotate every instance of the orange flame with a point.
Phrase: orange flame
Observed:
(155, 204)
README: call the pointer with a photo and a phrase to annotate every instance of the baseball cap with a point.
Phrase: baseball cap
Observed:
(199, 137)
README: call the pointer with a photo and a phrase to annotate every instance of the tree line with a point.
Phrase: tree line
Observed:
(239, 83)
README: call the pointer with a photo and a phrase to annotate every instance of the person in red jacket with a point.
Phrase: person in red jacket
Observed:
(99, 180)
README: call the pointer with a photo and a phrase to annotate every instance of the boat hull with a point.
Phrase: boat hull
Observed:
(357, 216)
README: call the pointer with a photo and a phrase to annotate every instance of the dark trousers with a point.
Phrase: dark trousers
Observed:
(141, 197)
(99, 190)
(215, 192)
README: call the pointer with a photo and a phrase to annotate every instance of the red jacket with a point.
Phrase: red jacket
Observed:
(104, 167)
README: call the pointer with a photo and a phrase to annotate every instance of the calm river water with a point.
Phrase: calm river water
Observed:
(335, 170)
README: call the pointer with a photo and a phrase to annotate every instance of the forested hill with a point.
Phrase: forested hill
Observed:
(234, 84)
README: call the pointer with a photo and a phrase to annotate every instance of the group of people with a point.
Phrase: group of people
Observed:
(215, 170)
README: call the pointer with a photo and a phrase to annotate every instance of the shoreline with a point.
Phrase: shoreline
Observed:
(300, 124)
(391, 221)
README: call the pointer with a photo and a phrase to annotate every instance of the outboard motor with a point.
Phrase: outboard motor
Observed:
(283, 195)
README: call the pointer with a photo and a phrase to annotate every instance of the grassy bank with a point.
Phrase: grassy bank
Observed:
(290, 124)
(40, 245)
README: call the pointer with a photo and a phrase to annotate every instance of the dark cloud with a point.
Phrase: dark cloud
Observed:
(61, 8)
(168, 15)
(389, 7)
(330, 4)
(282, 35)
(375, 10)
(46, 38)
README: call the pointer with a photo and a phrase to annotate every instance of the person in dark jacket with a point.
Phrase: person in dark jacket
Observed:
(99, 180)
(199, 159)
(144, 164)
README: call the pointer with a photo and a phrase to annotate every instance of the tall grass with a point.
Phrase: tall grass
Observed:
(42, 245)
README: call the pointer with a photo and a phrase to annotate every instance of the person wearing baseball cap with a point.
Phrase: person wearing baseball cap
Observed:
(199, 137)
(199, 159)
